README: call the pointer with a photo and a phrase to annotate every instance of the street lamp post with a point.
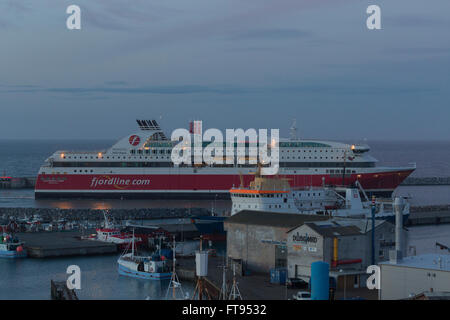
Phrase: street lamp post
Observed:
(345, 284)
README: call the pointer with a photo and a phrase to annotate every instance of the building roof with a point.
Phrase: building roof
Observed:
(264, 218)
(332, 229)
(424, 261)
(338, 226)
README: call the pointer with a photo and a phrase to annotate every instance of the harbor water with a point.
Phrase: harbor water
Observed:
(30, 278)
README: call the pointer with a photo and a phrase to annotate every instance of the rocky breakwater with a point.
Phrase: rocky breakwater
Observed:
(431, 208)
(55, 214)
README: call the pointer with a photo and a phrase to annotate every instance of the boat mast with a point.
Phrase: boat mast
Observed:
(343, 171)
(174, 281)
(235, 294)
(173, 270)
(132, 245)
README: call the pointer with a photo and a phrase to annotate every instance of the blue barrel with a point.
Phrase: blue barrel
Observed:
(320, 282)
(274, 276)
(278, 275)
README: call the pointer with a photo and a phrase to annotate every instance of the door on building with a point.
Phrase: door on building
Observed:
(356, 281)
(280, 256)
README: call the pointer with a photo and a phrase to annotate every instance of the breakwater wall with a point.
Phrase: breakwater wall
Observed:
(54, 214)
(426, 181)
(430, 208)
(17, 183)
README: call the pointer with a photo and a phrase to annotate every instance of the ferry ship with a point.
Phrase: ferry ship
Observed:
(140, 166)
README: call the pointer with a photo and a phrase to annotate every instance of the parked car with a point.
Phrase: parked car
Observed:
(302, 295)
(297, 283)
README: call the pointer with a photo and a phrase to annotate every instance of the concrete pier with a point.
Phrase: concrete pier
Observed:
(59, 291)
(66, 243)
(17, 183)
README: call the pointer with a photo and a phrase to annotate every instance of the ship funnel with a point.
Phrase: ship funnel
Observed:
(396, 255)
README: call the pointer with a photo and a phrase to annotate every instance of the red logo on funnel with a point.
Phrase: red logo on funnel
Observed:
(134, 140)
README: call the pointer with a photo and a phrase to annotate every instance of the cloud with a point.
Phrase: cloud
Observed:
(272, 34)
(416, 21)
(419, 51)
(116, 83)
(330, 89)
(122, 16)
(118, 89)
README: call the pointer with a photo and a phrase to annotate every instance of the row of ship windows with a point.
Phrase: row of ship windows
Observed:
(328, 171)
(220, 145)
(168, 157)
(107, 157)
(271, 195)
(275, 206)
(169, 151)
(170, 164)
(314, 158)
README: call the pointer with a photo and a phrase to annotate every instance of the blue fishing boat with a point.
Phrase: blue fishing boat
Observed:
(153, 267)
(11, 247)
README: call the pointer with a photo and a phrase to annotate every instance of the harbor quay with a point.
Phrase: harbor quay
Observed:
(264, 251)
(256, 285)
(58, 244)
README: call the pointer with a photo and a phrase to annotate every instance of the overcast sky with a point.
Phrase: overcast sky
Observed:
(232, 63)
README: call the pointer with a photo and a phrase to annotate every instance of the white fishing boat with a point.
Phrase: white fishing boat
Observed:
(153, 267)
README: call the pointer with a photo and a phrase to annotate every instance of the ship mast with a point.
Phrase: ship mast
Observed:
(174, 281)
(343, 174)
(294, 129)
(235, 294)
(132, 245)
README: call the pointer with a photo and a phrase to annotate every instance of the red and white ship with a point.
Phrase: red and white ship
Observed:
(140, 165)
(110, 233)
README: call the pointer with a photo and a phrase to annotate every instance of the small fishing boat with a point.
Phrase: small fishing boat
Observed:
(110, 233)
(11, 247)
(152, 267)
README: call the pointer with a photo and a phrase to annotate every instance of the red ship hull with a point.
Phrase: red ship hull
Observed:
(189, 186)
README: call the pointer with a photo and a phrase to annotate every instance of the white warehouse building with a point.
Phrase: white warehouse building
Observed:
(414, 275)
